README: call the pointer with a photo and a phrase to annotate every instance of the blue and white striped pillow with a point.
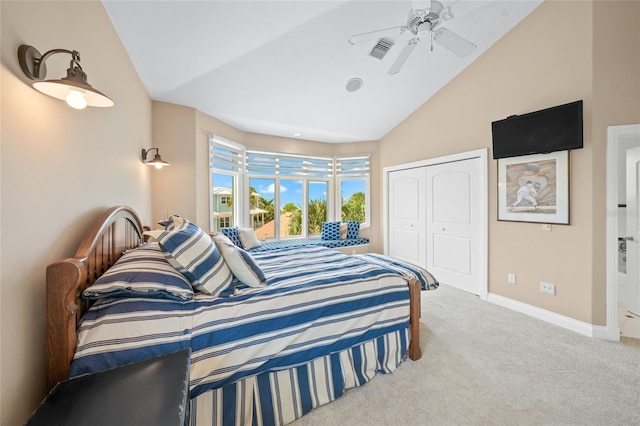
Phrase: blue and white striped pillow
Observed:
(193, 253)
(142, 272)
(241, 263)
(330, 231)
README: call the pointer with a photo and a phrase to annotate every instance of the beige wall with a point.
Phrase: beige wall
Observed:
(563, 51)
(59, 168)
(182, 134)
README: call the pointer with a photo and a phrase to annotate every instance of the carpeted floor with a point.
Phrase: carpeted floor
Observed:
(486, 365)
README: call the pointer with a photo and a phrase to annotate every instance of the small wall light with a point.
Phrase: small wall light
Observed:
(157, 161)
(73, 88)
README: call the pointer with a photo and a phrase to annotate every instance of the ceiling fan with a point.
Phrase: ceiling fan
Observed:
(422, 22)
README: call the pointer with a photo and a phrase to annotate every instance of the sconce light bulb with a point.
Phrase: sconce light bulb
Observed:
(158, 166)
(75, 99)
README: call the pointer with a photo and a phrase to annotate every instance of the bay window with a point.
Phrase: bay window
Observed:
(282, 195)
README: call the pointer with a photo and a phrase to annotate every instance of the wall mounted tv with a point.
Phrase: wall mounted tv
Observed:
(557, 128)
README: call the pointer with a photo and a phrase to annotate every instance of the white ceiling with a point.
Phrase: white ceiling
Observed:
(280, 67)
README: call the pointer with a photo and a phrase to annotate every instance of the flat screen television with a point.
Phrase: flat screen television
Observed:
(558, 128)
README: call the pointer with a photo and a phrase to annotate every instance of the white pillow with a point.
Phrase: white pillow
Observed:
(219, 238)
(344, 226)
(248, 238)
(242, 264)
(154, 233)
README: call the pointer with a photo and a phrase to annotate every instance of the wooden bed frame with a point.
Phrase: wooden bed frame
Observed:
(117, 230)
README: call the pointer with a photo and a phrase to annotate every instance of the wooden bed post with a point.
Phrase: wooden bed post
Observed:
(63, 281)
(415, 352)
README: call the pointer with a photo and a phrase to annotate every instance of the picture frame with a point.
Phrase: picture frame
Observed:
(534, 188)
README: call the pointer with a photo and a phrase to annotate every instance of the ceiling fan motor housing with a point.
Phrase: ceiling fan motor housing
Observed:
(420, 17)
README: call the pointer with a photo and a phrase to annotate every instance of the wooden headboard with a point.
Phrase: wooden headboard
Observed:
(115, 231)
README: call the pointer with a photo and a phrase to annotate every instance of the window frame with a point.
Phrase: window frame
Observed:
(361, 171)
(367, 198)
(236, 175)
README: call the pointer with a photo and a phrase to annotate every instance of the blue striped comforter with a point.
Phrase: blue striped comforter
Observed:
(317, 301)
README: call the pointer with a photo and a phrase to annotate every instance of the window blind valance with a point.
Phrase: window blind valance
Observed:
(273, 163)
(353, 166)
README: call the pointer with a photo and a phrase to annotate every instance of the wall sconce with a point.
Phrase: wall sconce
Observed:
(157, 161)
(74, 88)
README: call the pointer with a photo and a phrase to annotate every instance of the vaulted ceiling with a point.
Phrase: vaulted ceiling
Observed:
(283, 67)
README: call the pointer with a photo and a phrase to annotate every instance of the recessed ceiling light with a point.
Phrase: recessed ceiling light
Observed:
(354, 84)
(297, 134)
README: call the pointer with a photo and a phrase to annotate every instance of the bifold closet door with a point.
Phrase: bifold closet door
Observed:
(406, 232)
(452, 229)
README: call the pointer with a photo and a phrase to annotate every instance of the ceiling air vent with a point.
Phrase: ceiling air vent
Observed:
(381, 48)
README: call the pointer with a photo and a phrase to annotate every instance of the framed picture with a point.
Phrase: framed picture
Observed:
(534, 188)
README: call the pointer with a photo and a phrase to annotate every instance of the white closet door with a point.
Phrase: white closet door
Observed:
(406, 189)
(452, 223)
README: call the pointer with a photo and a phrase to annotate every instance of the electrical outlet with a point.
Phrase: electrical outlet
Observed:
(547, 288)
(511, 278)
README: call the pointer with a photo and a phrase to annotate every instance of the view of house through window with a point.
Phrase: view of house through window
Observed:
(226, 169)
(222, 201)
(261, 207)
(285, 195)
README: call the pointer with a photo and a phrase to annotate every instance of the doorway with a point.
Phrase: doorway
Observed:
(435, 215)
(622, 264)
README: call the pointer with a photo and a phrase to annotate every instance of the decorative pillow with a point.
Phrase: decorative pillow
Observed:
(232, 234)
(193, 253)
(171, 222)
(248, 238)
(330, 231)
(142, 272)
(343, 230)
(353, 228)
(154, 233)
(241, 263)
(221, 238)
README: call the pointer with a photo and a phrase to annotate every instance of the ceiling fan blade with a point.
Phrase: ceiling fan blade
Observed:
(403, 56)
(453, 42)
(420, 4)
(461, 8)
(387, 32)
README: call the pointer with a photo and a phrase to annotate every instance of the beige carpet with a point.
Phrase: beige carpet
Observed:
(487, 365)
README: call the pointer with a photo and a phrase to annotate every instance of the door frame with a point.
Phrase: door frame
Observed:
(483, 290)
(616, 150)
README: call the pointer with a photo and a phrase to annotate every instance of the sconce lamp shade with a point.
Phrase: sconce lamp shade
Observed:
(157, 161)
(73, 88)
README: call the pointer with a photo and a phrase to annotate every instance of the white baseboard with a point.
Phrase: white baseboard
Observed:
(586, 329)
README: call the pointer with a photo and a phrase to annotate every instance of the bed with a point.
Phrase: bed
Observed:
(259, 355)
